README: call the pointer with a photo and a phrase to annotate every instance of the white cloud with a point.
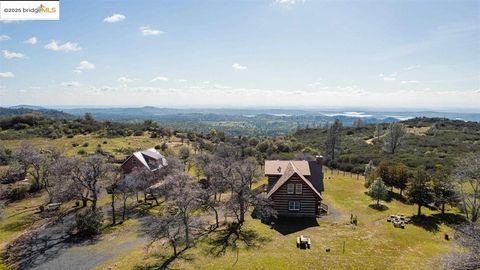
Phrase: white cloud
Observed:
(65, 47)
(114, 18)
(7, 74)
(70, 84)
(391, 77)
(125, 80)
(288, 3)
(408, 82)
(148, 31)
(181, 80)
(10, 55)
(31, 41)
(159, 78)
(237, 66)
(84, 65)
(316, 83)
(4, 38)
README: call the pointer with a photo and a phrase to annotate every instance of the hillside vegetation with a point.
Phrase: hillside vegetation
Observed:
(429, 141)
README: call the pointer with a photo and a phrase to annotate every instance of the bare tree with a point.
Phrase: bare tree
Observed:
(467, 176)
(239, 183)
(112, 189)
(87, 175)
(184, 199)
(332, 142)
(62, 188)
(184, 154)
(169, 227)
(394, 137)
(31, 161)
(378, 132)
(202, 160)
(126, 187)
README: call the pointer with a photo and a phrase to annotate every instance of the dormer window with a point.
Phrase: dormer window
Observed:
(290, 188)
(298, 188)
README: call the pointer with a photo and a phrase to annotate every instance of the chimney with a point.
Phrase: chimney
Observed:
(319, 160)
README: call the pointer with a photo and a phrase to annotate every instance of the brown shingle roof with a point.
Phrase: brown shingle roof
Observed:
(278, 167)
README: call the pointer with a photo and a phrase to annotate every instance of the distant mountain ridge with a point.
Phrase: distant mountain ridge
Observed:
(26, 109)
(236, 121)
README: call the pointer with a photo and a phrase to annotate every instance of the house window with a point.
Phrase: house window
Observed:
(134, 161)
(298, 188)
(293, 205)
(290, 188)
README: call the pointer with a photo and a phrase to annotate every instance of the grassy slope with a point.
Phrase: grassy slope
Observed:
(17, 217)
(113, 145)
(373, 244)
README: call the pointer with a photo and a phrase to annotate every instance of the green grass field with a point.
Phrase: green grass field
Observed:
(373, 244)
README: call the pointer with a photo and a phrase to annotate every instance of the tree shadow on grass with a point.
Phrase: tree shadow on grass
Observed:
(397, 197)
(432, 223)
(450, 219)
(232, 237)
(163, 261)
(378, 207)
(429, 223)
(287, 226)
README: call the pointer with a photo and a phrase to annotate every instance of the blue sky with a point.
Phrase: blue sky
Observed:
(276, 53)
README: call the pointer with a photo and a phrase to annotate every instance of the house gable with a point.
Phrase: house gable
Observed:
(292, 172)
(149, 159)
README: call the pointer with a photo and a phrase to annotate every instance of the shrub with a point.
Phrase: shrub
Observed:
(88, 222)
(85, 144)
(74, 144)
(14, 193)
(81, 152)
(104, 142)
(12, 175)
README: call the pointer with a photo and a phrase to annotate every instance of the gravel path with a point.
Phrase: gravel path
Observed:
(88, 255)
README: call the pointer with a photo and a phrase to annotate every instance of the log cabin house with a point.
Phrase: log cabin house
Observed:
(295, 187)
(149, 159)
